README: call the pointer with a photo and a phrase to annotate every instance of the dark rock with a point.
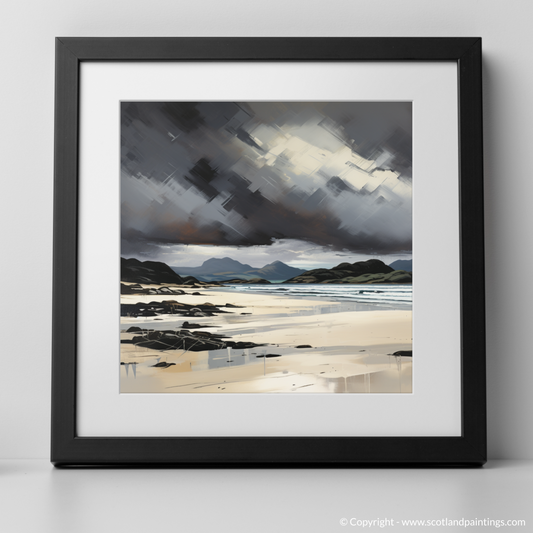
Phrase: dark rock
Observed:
(131, 289)
(147, 313)
(202, 334)
(304, 346)
(189, 325)
(137, 289)
(241, 345)
(163, 365)
(169, 307)
(403, 353)
(184, 340)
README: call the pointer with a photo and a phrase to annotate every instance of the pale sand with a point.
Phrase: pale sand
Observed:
(348, 354)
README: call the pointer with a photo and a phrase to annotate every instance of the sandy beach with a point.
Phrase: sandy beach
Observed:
(308, 345)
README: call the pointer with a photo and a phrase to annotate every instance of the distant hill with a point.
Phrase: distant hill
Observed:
(276, 271)
(214, 265)
(366, 272)
(222, 269)
(135, 271)
(403, 264)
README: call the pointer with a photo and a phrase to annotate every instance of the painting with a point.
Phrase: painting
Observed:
(266, 247)
(229, 219)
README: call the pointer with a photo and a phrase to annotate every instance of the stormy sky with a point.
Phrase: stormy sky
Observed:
(289, 181)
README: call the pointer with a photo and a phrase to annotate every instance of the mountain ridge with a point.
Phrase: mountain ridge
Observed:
(221, 269)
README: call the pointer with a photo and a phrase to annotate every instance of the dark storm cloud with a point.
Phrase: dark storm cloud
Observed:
(334, 174)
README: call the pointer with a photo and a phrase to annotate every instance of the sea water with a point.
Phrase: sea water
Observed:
(382, 296)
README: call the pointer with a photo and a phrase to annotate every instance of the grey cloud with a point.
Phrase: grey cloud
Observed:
(199, 173)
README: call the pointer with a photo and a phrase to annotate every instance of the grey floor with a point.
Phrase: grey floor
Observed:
(35, 497)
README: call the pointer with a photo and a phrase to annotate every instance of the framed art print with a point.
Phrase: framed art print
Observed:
(236, 227)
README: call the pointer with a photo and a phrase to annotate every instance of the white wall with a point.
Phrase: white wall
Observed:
(27, 31)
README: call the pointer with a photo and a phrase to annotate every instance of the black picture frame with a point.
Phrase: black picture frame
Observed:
(68, 449)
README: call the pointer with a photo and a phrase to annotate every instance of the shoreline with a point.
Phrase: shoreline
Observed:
(348, 351)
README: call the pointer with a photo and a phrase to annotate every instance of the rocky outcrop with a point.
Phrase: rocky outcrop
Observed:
(171, 307)
(403, 353)
(196, 341)
(135, 271)
(139, 289)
